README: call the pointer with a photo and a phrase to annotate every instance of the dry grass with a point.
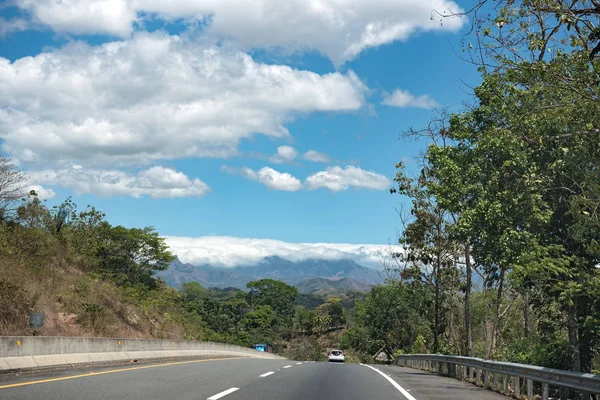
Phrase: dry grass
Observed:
(74, 302)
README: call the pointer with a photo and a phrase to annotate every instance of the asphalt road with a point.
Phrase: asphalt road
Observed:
(240, 379)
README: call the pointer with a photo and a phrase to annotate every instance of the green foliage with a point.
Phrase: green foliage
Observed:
(278, 295)
(392, 313)
(358, 339)
(82, 288)
(131, 256)
(193, 292)
(305, 319)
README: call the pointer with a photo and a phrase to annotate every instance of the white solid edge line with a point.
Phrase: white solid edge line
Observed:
(223, 394)
(393, 382)
(266, 374)
(288, 366)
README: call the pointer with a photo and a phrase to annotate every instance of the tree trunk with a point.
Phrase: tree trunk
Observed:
(436, 311)
(526, 314)
(573, 337)
(496, 325)
(451, 327)
(469, 338)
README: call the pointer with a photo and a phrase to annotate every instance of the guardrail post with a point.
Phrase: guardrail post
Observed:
(585, 395)
(486, 379)
(517, 387)
(505, 379)
(529, 389)
(496, 381)
(479, 376)
(564, 393)
(545, 390)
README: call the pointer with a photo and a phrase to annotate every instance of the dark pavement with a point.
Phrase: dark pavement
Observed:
(240, 379)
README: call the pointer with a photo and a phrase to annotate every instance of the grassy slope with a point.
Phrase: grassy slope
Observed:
(75, 302)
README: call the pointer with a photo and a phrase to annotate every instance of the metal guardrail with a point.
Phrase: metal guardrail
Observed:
(509, 378)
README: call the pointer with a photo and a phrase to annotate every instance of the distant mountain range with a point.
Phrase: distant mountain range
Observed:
(323, 287)
(310, 276)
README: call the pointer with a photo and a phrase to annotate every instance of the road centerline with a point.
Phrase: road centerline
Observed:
(223, 393)
(287, 366)
(393, 382)
(266, 374)
(112, 371)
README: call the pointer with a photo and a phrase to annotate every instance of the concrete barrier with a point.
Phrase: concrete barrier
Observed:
(30, 352)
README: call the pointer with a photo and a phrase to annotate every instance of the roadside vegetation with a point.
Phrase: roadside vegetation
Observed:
(499, 256)
(90, 278)
(506, 194)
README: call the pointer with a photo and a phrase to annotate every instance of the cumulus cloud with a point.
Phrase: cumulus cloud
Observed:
(267, 176)
(316, 156)
(156, 182)
(154, 97)
(233, 251)
(337, 179)
(12, 25)
(284, 154)
(42, 192)
(113, 17)
(339, 29)
(404, 99)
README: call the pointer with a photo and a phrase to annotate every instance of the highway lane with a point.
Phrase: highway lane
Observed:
(241, 379)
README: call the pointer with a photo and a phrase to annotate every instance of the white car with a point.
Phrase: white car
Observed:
(336, 356)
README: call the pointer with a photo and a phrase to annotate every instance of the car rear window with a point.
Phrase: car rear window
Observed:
(336, 353)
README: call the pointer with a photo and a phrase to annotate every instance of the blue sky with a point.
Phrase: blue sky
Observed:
(172, 115)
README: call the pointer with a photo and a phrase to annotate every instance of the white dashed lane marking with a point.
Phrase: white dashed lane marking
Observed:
(222, 394)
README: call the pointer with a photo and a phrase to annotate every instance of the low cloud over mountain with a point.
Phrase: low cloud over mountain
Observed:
(229, 252)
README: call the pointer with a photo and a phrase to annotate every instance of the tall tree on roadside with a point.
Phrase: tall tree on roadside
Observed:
(278, 295)
(13, 182)
(131, 256)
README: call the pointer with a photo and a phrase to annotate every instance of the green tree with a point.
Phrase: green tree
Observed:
(131, 256)
(430, 252)
(304, 319)
(278, 295)
(529, 180)
(260, 324)
(193, 291)
(394, 314)
(336, 311)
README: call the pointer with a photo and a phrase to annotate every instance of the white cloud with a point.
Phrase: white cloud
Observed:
(334, 178)
(232, 251)
(154, 97)
(244, 171)
(404, 99)
(278, 180)
(42, 192)
(337, 179)
(267, 176)
(284, 154)
(113, 17)
(316, 156)
(339, 29)
(12, 25)
(156, 182)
